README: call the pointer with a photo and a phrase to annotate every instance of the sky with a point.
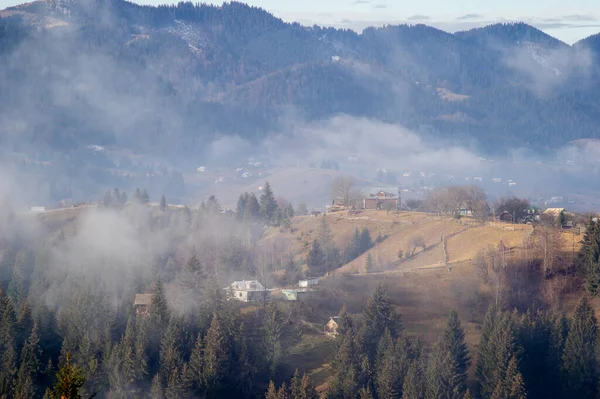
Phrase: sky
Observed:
(568, 21)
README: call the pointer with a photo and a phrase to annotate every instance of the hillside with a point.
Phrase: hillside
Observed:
(166, 80)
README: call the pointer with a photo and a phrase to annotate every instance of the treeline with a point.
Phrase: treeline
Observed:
(265, 209)
(324, 256)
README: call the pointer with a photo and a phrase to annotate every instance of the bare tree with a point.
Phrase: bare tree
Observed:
(548, 240)
(343, 190)
(416, 242)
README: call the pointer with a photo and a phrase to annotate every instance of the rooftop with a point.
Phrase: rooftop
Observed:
(142, 299)
(247, 285)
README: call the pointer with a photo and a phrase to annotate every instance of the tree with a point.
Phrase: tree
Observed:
(379, 316)
(30, 365)
(517, 207)
(301, 387)
(412, 204)
(156, 389)
(579, 358)
(241, 206)
(216, 358)
(137, 196)
(588, 257)
(69, 382)
(273, 329)
(369, 265)
(365, 242)
(315, 259)
(252, 210)
(330, 252)
(163, 204)
(145, 198)
(268, 204)
(8, 346)
(195, 368)
(342, 191)
(512, 385)
(451, 361)
(414, 386)
(416, 242)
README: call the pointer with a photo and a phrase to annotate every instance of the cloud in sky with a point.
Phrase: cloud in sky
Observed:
(380, 6)
(468, 17)
(418, 18)
(360, 2)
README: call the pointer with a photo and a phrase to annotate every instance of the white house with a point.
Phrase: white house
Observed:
(310, 282)
(37, 209)
(248, 291)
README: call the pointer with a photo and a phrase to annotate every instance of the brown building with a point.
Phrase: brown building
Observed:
(381, 201)
(331, 327)
(141, 303)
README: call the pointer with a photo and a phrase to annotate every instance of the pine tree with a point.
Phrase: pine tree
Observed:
(137, 197)
(24, 324)
(29, 368)
(452, 359)
(268, 205)
(365, 240)
(246, 369)
(580, 365)
(195, 372)
(163, 204)
(273, 330)
(379, 315)
(145, 198)
(331, 254)
(512, 385)
(8, 347)
(365, 393)
(588, 257)
(301, 387)
(414, 384)
(216, 358)
(252, 211)
(271, 391)
(388, 381)
(241, 206)
(503, 345)
(485, 355)
(315, 260)
(369, 266)
(156, 389)
(170, 353)
(158, 309)
(69, 382)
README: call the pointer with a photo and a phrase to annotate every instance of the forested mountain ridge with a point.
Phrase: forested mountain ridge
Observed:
(164, 80)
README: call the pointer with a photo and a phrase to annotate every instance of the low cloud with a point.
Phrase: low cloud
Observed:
(356, 2)
(468, 17)
(418, 18)
(381, 6)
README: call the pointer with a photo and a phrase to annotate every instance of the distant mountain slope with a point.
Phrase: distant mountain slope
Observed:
(166, 80)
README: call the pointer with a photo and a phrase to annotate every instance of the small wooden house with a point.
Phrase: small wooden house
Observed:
(142, 303)
(248, 291)
(331, 327)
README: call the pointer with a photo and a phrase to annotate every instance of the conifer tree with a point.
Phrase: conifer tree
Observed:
(137, 196)
(414, 386)
(388, 381)
(194, 375)
(145, 198)
(452, 359)
(503, 345)
(163, 204)
(216, 358)
(158, 313)
(24, 324)
(315, 260)
(8, 349)
(485, 355)
(369, 266)
(271, 391)
(252, 210)
(246, 369)
(156, 389)
(379, 315)
(273, 330)
(301, 388)
(25, 386)
(512, 385)
(170, 353)
(365, 240)
(588, 257)
(579, 358)
(331, 254)
(268, 205)
(69, 382)
(365, 393)
(241, 206)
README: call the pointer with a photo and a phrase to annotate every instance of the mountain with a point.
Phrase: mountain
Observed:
(168, 80)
